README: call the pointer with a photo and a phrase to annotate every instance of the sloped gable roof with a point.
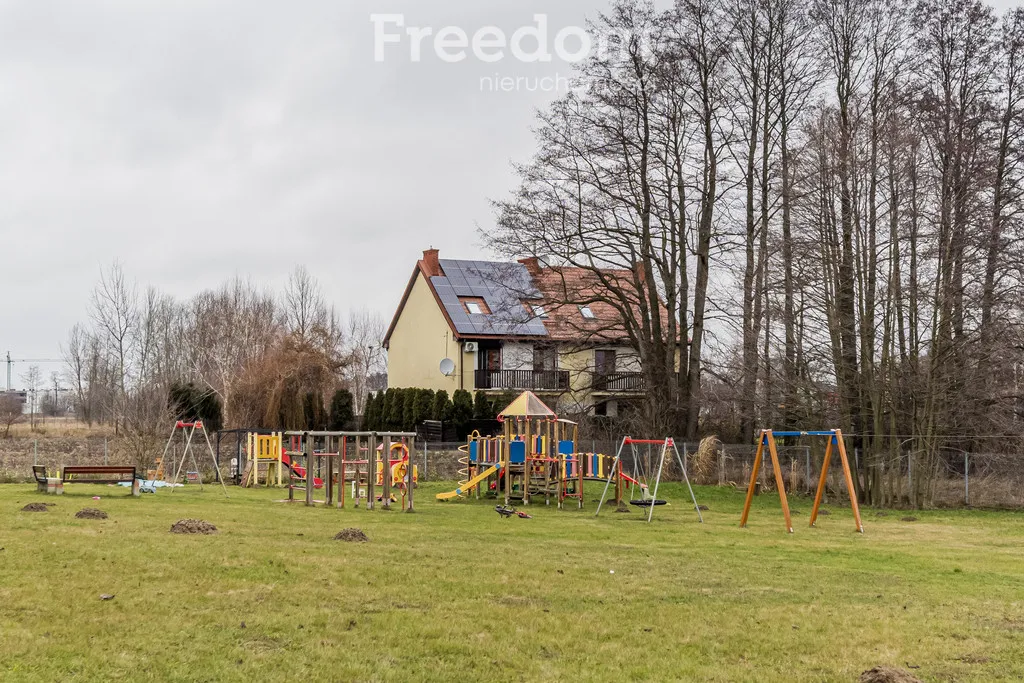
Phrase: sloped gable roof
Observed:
(510, 292)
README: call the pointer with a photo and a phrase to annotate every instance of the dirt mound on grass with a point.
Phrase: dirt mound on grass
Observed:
(887, 674)
(35, 507)
(352, 536)
(90, 513)
(193, 526)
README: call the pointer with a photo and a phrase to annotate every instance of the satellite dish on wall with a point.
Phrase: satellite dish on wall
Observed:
(447, 367)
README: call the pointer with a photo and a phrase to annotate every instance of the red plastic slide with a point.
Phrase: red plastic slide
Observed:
(318, 483)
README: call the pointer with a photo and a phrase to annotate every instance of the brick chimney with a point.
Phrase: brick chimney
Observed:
(532, 265)
(431, 264)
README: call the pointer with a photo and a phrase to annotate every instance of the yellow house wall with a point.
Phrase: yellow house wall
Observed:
(421, 339)
(578, 363)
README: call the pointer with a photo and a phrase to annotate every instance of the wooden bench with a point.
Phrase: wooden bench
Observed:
(114, 474)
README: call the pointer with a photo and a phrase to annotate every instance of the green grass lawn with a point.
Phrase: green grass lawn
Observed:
(453, 592)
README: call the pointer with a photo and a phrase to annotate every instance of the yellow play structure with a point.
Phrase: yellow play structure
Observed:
(399, 467)
(264, 456)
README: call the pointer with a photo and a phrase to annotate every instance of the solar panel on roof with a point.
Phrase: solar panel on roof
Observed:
(502, 286)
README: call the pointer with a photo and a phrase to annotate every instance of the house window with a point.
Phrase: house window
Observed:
(474, 305)
(587, 313)
(538, 311)
(545, 358)
(490, 359)
(604, 360)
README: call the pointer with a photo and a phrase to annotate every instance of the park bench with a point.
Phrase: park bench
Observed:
(114, 474)
(43, 483)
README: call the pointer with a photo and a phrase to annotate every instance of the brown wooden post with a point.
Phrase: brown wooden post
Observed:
(341, 471)
(822, 482)
(291, 484)
(618, 484)
(780, 483)
(410, 478)
(765, 434)
(849, 481)
(551, 450)
(307, 448)
(356, 467)
(385, 472)
(525, 466)
(328, 471)
(508, 461)
(371, 471)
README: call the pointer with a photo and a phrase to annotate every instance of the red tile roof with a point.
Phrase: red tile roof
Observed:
(567, 290)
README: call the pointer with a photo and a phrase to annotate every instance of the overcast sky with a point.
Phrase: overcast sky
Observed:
(196, 139)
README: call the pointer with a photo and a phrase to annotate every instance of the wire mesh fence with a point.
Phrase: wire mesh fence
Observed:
(959, 478)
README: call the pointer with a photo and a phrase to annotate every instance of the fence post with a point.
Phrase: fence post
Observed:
(426, 452)
(967, 480)
(104, 451)
(807, 458)
(721, 466)
(910, 476)
(686, 453)
(35, 452)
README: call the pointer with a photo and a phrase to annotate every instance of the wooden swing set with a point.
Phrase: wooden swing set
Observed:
(768, 437)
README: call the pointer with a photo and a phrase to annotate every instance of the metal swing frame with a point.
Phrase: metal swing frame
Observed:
(666, 444)
(189, 430)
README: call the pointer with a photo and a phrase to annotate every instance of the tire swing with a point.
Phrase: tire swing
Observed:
(641, 466)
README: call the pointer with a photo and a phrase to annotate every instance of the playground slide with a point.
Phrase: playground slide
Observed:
(469, 485)
(318, 483)
(631, 480)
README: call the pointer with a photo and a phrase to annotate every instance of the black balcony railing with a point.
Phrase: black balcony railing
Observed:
(614, 382)
(534, 380)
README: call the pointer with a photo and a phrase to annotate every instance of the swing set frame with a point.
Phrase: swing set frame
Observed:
(767, 438)
(667, 444)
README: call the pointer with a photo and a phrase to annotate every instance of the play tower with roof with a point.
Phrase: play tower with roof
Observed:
(534, 457)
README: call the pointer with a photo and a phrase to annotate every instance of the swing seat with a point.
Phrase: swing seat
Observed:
(648, 502)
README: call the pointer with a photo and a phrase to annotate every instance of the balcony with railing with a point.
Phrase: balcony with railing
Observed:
(534, 380)
(618, 382)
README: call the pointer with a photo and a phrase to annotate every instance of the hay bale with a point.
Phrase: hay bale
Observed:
(704, 461)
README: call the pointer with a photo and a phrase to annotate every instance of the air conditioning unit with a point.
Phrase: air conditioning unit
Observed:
(469, 347)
